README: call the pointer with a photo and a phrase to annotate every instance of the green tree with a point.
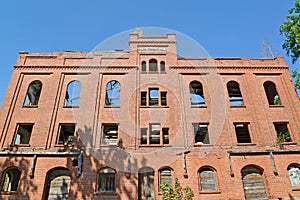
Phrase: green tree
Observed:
(176, 193)
(290, 29)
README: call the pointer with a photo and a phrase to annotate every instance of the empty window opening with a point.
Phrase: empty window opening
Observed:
(162, 66)
(294, 173)
(143, 98)
(234, 93)
(110, 134)
(153, 65)
(154, 133)
(163, 98)
(10, 179)
(283, 134)
(33, 93)
(242, 133)
(201, 133)
(165, 176)
(23, 134)
(272, 94)
(196, 94)
(146, 184)
(66, 134)
(106, 180)
(72, 94)
(207, 180)
(254, 184)
(144, 66)
(153, 96)
(113, 89)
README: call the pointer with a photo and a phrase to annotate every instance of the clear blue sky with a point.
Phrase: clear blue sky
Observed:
(232, 28)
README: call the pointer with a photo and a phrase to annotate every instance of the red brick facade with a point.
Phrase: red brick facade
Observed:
(155, 125)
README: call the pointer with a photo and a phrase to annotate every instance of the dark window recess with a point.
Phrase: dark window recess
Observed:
(153, 97)
(106, 180)
(207, 180)
(146, 183)
(165, 135)
(242, 133)
(33, 93)
(144, 66)
(165, 176)
(66, 134)
(110, 134)
(162, 66)
(10, 180)
(143, 98)
(153, 65)
(234, 93)
(163, 98)
(272, 94)
(72, 94)
(196, 94)
(23, 134)
(154, 133)
(283, 134)
(143, 135)
(201, 133)
(112, 97)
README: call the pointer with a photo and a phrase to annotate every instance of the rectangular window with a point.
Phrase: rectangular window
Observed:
(153, 97)
(66, 134)
(283, 134)
(23, 134)
(156, 135)
(143, 135)
(165, 135)
(110, 134)
(201, 133)
(143, 98)
(242, 133)
(163, 98)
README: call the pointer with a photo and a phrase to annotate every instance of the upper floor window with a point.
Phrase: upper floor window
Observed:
(201, 133)
(242, 133)
(156, 135)
(66, 134)
(196, 94)
(106, 180)
(162, 66)
(23, 134)
(153, 65)
(234, 93)
(294, 173)
(112, 97)
(283, 134)
(72, 94)
(10, 179)
(33, 93)
(155, 98)
(144, 66)
(110, 134)
(272, 94)
(207, 178)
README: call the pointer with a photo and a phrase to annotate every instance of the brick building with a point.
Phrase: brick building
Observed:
(114, 125)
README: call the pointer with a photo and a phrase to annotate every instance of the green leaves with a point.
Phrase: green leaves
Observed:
(178, 193)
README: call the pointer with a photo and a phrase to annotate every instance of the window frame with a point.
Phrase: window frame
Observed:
(296, 186)
(199, 124)
(160, 101)
(106, 174)
(103, 140)
(68, 142)
(163, 139)
(272, 101)
(116, 95)
(286, 124)
(231, 97)
(16, 134)
(193, 91)
(247, 124)
(78, 87)
(160, 176)
(200, 185)
(3, 180)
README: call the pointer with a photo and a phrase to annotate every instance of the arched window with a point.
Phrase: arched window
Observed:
(196, 94)
(207, 180)
(294, 173)
(58, 183)
(144, 68)
(153, 65)
(106, 180)
(272, 94)
(234, 93)
(162, 66)
(112, 97)
(146, 183)
(33, 93)
(253, 182)
(165, 176)
(10, 179)
(73, 94)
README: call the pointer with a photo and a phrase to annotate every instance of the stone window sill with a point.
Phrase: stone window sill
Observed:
(246, 144)
(210, 192)
(8, 193)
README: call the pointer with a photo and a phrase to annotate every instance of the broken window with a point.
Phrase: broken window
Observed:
(254, 184)
(156, 135)
(112, 97)
(162, 66)
(272, 94)
(165, 176)
(106, 180)
(33, 93)
(153, 65)
(10, 179)
(283, 134)
(242, 133)
(110, 134)
(144, 68)
(201, 133)
(146, 184)
(66, 134)
(234, 93)
(196, 94)
(23, 134)
(72, 94)
(153, 97)
(294, 173)
(207, 180)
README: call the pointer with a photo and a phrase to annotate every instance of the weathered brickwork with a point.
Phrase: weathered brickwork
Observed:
(164, 123)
